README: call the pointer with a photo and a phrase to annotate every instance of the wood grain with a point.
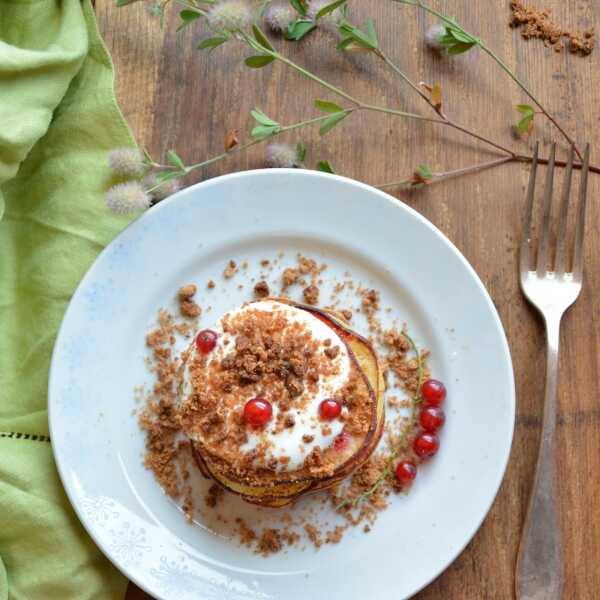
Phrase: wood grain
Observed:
(175, 96)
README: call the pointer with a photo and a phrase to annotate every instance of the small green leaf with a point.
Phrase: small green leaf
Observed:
(166, 176)
(460, 36)
(261, 38)
(298, 29)
(259, 61)
(260, 132)
(459, 48)
(348, 30)
(260, 116)
(525, 124)
(371, 31)
(187, 17)
(325, 167)
(175, 160)
(125, 2)
(301, 6)
(211, 42)
(331, 122)
(301, 151)
(526, 109)
(326, 106)
(424, 172)
(329, 8)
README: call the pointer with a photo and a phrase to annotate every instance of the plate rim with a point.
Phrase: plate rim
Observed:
(265, 172)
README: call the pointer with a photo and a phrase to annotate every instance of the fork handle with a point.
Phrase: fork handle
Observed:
(539, 564)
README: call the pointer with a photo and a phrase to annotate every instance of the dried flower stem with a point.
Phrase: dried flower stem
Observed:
(499, 61)
(443, 175)
(446, 120)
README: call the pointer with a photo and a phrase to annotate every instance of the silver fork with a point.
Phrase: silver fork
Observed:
(539, 564)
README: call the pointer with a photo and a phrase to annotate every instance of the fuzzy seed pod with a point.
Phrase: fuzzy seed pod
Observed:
(127, 197)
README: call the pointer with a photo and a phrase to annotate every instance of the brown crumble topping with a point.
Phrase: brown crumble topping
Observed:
(311, 294)
(347, 314)
(211, 284)
(187, 306)
(536, 23)
(261, 289)
(230, 270)
(265, 262)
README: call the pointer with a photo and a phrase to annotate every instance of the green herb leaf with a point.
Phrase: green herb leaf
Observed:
(259, 61)
(298, 29)
(166, 176)
(459, 48)
(125, 2)
(301, 6)
(188, 17)
(211, 43)
(526, 123)
(371, 32)
(261, 38)
(526, 109)
(326, 106)
(329, 8)
(260, 116)
(331, 122)
(260, 132)
(355, 34)
(301, 151)
(424, 172)
(325, 167)
(175, 160)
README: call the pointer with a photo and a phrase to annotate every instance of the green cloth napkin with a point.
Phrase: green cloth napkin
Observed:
(58, 120)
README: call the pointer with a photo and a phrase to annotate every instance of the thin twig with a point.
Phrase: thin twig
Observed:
(452, 23)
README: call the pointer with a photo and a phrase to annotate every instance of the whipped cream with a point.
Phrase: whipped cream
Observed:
(289, 442)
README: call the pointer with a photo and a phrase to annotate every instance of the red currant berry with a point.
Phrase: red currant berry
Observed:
(433, 392)
(206, 340)
(330, 409)
(432, 418)
(341, 441)
(406, 471)
(426, 445)
(258, 411)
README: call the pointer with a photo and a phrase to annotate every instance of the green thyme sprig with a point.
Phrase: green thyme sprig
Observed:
(400, 446)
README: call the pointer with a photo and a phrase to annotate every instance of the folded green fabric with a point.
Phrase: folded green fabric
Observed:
(58, 120)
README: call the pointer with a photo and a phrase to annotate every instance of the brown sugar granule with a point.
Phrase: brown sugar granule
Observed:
(187, 306)
(289, 277)
(265, 262)
(261, 289)
(307, 439)
(211, 284)
(314, 535)
(538, 23)
(187, 291)
(247, 535)
(214, 495)
(289, 422)
(230, 270)
(311, 294)
(269, 542)
(367, 528)
(347, 314)
(335, 535)
(332, 352)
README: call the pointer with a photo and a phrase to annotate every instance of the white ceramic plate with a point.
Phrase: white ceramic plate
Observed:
(99, 359)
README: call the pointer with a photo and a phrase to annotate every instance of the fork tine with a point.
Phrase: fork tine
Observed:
(562, 220)
(580, 226)
(542, 258)
(529, 212)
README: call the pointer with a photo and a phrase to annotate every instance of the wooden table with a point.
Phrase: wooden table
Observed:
(175, 96)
